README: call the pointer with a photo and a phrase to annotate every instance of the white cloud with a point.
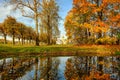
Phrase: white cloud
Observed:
(8, 10)
(5, 10)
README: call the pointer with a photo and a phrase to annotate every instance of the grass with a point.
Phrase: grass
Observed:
(56, 50)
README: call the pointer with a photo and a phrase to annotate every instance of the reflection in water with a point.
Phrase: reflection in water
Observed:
(49, 69)
(60, 68)
(92, 68)
(12, 68)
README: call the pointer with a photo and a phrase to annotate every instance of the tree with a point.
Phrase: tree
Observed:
(34, 9)
(4, 31)
(10, 22)
(50, 19)
(93, 17)
(21, 31)
(30, 34)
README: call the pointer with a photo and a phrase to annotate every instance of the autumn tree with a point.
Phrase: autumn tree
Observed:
(49, 19)
(93, 17)
(12, 27)
(10, 22)
(29, 8)
(4, 31)
(21, 31)
(30, 34)
(26, 33)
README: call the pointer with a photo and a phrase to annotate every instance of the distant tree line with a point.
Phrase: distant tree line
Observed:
(15, 29)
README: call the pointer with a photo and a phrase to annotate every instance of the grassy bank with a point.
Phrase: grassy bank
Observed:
(60, 50)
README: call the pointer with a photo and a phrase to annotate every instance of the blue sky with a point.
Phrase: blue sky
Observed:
(65, 6)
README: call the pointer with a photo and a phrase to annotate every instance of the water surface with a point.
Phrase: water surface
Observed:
(60, 68)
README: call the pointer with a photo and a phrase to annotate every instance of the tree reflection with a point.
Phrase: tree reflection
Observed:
(49, 68)
(15, 67)
(36, 69)
(92, 68)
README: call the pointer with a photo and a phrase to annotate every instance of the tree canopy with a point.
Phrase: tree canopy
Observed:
(16, 29)
(92, 19)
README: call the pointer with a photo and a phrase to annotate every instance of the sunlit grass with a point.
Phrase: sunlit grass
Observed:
(61, 49)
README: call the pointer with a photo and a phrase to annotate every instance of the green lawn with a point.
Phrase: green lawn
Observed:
(58, 50)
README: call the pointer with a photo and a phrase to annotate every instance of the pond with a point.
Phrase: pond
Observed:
(60, 68)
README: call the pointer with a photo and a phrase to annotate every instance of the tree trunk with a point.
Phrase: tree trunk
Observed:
(29, 40)
(37, 40)
(13, 41)
(86, 65)
(5, 40)
(48, 37)
(13, 63)
(87, 33)
(118, 41)
(49, 31)
(49, 64)
(22, 39)
(36, 22)
(36, 69)
(19, 40)
(100, 66)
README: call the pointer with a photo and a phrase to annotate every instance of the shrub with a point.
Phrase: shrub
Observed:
(106, 40)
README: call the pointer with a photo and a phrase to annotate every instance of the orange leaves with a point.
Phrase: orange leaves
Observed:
(69, 24)
(84, 10)
(75, 1)
(82, 5)
(100, 26)
(97, 10)
(74, 10)
(96, 26)
(116, 7)
(96, 76)
(93, 16)
(97, 29)
(100, 29)
(78, 1)
(116, 18)
(87, 25)
(113, 1)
